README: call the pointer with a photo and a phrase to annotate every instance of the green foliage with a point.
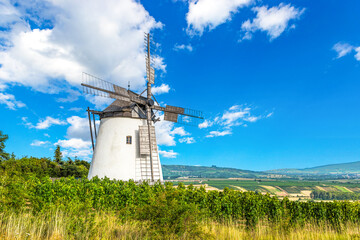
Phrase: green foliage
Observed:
(170, 218)
(58, 155)
(41, 167)
(322, 195)
(3, 154)
(168, 210)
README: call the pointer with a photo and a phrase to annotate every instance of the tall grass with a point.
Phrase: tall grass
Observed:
(59, 225)
(107, 225)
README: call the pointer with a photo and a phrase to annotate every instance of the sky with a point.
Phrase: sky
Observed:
(278, 81)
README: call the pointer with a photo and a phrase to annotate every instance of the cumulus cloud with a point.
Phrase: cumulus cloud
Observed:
(163, 88)
(342, 49)
(274, 21)
(79, 128)
(269, 114)
(8, 14)
(75, 147)
(10, 101)
(104, 38)
(168, 154)
(236, 115)
(205, 124)
(76, 109)
(77, 142)
(178, 47)
(39, 143)
(187, 140)
(100, 102)
(208, 14)
(166, 132)
(357, 55)
(218, 133)
(46, 123)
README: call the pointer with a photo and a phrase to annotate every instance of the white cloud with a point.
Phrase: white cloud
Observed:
(168, 154)
(159, 63)
(2, 86)
(269, 114)
(274, 21)
(205, 124)
(230, 118)
(48, 122)
(8, 13)
(38, 143)
(78, 141)
(342, 49)
(83, 36)
(178, 47)
(218, 133)
(163, 88)
(75, 147)
(236, 115)
(251, 119)
(10, 101)
(100, 102)
(43, 124)
(179, 131)
(75, 143)
(357, 55)
(166, 133)
(187, 140)
(76, 109)
(79, 128)
(208, 14)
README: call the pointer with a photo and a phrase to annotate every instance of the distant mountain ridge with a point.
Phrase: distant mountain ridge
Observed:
(181, 171)
(186, 171)
(339, 168)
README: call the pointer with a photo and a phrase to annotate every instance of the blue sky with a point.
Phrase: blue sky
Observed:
(278, 81)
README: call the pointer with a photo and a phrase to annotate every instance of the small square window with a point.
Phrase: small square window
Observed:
(128, 139)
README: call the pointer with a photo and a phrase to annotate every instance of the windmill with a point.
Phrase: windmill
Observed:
(125, 146)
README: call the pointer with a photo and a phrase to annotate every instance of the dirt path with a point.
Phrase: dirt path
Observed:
(239, 188)
(274, 190)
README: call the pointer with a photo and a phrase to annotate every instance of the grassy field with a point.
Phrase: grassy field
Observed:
(58, 225)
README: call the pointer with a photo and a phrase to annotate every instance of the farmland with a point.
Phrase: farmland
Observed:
(293, 189)
(71, 208)
(42, 199)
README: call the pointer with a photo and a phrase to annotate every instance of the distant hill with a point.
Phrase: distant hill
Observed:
(176, 171)
(331, 169)
(341, 170)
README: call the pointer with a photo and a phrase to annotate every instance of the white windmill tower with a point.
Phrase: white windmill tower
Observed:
(126, 143)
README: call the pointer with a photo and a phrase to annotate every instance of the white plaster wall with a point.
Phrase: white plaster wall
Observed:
(112, 157)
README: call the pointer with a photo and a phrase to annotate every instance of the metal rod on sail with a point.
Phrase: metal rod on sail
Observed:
(93, 115)
(148, 109)
(92, 139)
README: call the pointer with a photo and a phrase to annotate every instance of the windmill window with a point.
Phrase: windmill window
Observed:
(128, 140)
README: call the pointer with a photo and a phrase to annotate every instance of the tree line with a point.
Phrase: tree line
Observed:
(323, 195)
(40, 167)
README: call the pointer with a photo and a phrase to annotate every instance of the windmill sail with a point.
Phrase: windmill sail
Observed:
(131, 117)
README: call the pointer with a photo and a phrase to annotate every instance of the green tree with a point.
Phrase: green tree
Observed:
(58, 155)
(3, 155)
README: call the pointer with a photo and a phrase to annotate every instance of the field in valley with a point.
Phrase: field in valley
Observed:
(293, 189)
